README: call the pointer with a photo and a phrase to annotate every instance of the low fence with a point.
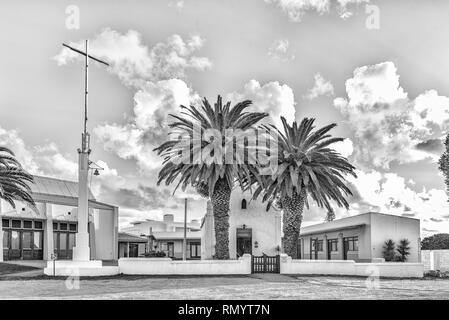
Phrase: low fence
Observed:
(351, 268)
(435, 260)
(166, 266)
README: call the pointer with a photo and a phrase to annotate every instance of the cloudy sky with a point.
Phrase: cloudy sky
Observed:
(376, 68)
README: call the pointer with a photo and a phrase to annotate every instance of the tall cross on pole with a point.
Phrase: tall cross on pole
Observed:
(81, 252)
(85, 136)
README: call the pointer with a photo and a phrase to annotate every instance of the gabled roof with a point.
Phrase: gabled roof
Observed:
(62, 192)
(46, 186)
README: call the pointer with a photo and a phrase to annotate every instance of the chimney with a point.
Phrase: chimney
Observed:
(168, 218)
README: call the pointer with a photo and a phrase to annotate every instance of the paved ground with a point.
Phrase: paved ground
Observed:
(245, 287)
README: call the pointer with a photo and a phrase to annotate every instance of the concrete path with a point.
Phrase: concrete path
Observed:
(232, 288)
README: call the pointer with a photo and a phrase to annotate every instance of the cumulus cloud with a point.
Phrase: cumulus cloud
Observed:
(345, 147)
(133, 62)
(156, 75)
(176, 4)
(47, 160)
(392, 194)
(386, 124)
(295, 9)
(321, 87)
(147, 127)
(272, 97)
(280, 50)
(39, 160)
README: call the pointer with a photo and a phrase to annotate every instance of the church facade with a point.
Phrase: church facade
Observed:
(252, 229)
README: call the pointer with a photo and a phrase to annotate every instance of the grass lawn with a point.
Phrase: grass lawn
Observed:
(6, 268)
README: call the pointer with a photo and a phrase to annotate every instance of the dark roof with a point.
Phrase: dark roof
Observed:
(126, 237)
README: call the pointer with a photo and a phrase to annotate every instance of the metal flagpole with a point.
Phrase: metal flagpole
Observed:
(86, 94)
(81, 251)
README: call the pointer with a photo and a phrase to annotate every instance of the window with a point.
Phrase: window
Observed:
(37, 224)
(63, 226)
(72, 227)
(72, 241)
(5, 240)
(352, 243)
(55, 242)
(17, 224)
(243, 204)
(332, 244)
(26, 240)
(37, 240)
(171, 249)
(195, 250)
(15, 240)
(27, 224)
(317, 245)
(5, 223)
(320, 245)
(55, 226)
(62, 241)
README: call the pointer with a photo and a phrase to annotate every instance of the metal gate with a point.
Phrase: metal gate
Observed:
(265, 264)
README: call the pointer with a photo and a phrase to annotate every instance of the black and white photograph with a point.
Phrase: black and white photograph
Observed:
(234, 153)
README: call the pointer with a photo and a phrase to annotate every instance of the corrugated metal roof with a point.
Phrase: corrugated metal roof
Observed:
(57, 187)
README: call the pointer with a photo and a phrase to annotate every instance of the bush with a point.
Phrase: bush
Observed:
(154, 254)
(438, 241)
(403, 249)
(389, 250)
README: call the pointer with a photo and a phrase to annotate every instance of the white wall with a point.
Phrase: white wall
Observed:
(265, 226)
(351, 268)
(106, 244)
(435, 260)
(385, 227)
(166, 266)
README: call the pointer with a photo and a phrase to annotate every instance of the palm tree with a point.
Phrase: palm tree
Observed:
(184, 158)
(307, 166)
(14, 181)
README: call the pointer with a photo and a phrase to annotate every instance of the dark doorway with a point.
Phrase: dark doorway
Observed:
(133, 250)
(314, 249)
(244, 241)
(332, 246)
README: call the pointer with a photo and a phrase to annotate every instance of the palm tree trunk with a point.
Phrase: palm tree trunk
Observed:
(292, 217)
(220, 199)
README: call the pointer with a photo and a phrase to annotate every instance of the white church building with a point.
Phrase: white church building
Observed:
(29, 234)
(252, 229)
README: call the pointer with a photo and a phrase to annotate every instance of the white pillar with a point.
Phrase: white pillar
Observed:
(208, 234)
(81, 252)
(115, 235)
(277, 229)
(48, 232)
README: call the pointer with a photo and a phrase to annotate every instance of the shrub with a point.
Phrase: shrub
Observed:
(436, 242)
(403, 249)
(154, 254)
(389, 250)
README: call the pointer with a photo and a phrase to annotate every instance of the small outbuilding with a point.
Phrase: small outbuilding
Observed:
(360, 238)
